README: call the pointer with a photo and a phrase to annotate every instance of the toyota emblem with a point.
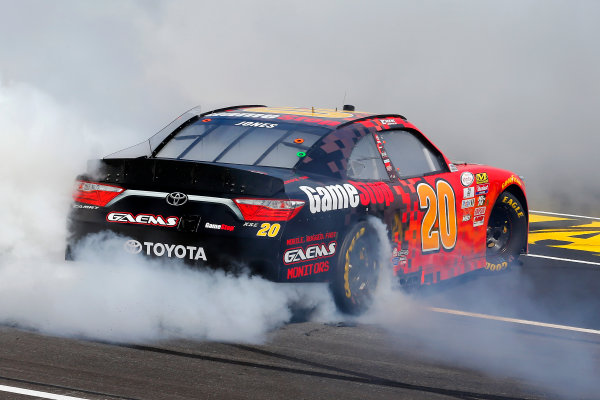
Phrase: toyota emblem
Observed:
(177, 199)
(133, 246)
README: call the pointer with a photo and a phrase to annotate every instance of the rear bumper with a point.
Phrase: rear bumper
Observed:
(219, 250)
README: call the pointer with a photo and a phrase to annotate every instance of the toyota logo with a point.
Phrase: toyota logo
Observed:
(132, 246)
(176, 199)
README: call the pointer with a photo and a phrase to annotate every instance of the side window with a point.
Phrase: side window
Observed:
(410, 156)
(365, 161)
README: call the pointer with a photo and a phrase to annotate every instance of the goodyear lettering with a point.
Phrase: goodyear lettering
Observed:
(512, 179)
(332, 197)
(297, 255)
(514, 206)
(142, 219)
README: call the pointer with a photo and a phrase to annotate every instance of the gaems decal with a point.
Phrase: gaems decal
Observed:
(312, 252)
(142, 219)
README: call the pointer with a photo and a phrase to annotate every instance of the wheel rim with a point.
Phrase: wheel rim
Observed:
(499, 231)
(362, 270)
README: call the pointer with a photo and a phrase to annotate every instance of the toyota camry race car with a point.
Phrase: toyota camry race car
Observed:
(288, 192)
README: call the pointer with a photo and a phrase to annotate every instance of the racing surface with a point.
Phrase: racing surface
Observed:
(448, 344)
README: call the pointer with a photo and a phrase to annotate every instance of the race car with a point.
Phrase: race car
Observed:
(290, 193)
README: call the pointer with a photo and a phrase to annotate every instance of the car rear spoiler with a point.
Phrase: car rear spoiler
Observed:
(188, 176)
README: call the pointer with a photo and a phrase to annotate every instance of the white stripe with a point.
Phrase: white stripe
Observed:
(564, 215)
(36, 393)
(514, 321)
(563, 259)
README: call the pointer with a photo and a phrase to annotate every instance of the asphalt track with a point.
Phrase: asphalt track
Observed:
(452, 346)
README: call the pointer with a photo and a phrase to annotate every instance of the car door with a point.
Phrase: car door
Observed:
(430, 246)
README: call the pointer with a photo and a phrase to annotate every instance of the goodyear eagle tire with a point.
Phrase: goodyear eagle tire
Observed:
(355, 278)
(506, 232)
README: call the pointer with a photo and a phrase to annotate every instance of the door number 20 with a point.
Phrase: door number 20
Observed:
(439, 223)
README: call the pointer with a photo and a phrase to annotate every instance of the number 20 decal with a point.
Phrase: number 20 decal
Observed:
(439, 222)
(270, 230)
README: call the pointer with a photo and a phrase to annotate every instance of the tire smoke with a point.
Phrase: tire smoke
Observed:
(107, 295)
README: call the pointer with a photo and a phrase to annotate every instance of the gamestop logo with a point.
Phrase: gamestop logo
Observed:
(312, 252)
(165, 249)
(142, 219)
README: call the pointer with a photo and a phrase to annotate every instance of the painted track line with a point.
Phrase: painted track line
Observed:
(563, 259)
(513, 320)
(563, 215)
(38, 394)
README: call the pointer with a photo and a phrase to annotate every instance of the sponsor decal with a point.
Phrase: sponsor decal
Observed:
(268, 229)
(221, 227)
(478, 221)
(388, 121)
(468, 192)
(165, 249)
(176, 199)
(374, 193)
(318, 121)
(399, 256)
(255, 124)
(244, 115)
(514, 206)
(452, 167)
(480, 200)
(295, 179)
(479, 211)
(466, 218)
(468, 203)
(332, 197)
(512, 179)
(311, 252)
(311, 238)
(496, 267)
(251, 224)
(307, 270)
(85, 206)
(466, 178)
(482, 189)
(142, 219)
(481, 177)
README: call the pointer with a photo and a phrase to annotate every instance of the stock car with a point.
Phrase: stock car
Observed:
(290, 192)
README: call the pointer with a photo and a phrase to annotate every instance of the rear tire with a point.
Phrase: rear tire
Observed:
(506, 232)
(355, 278)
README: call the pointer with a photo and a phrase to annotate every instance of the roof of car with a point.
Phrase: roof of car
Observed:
(325, 117)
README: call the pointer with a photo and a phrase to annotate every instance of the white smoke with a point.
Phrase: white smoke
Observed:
(106, 296)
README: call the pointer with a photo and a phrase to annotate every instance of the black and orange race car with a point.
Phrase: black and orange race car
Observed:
(288, 192)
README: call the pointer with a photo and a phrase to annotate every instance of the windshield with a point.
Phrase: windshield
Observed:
(241, 141)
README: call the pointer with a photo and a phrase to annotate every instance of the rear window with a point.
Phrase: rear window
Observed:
(241, 141)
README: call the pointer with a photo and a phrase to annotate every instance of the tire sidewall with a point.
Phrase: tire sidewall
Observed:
(518, 226)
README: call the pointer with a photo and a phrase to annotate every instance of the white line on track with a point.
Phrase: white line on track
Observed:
(563, 215)
(38, 394)
(563, 259)
(513, 320)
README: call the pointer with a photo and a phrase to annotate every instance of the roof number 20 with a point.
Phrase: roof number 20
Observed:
(439, 222)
